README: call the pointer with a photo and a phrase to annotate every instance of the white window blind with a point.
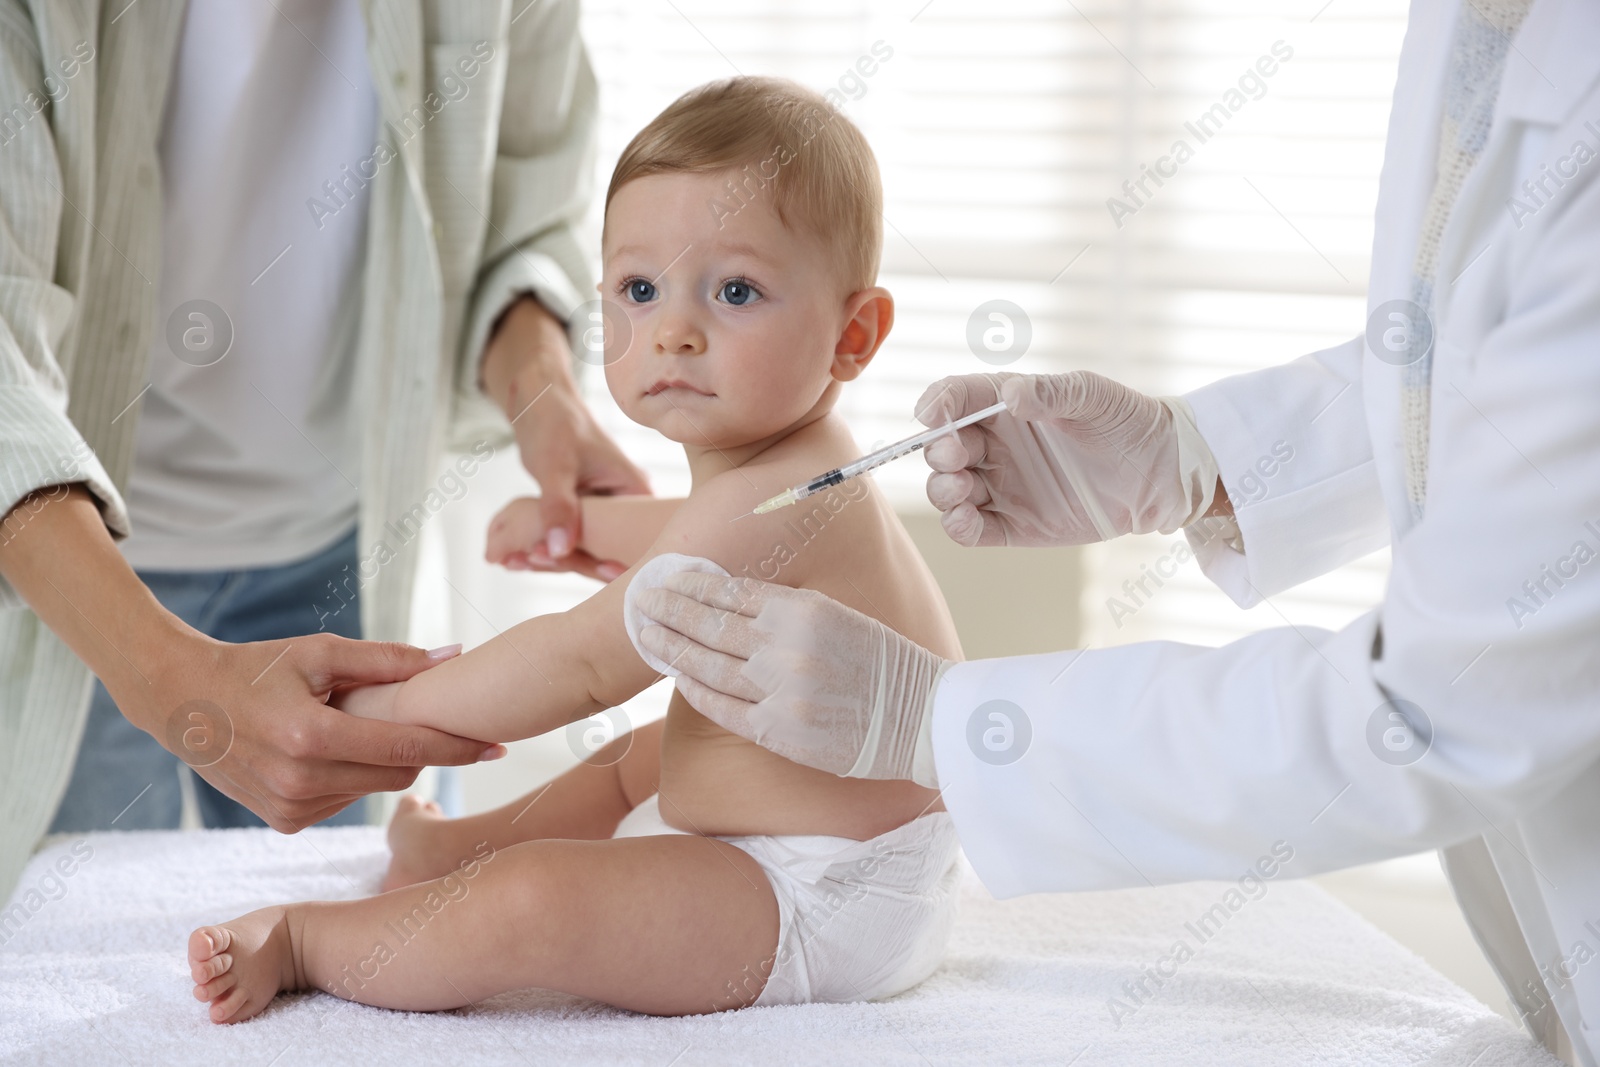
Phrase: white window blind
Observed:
(1002, 130)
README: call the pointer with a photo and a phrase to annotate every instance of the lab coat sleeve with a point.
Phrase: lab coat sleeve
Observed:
(39, 445)
(1156, 762)
(542, 179)
(1292, 446)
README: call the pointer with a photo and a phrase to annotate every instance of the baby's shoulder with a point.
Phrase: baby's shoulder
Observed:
(787, 546)
(845, 542)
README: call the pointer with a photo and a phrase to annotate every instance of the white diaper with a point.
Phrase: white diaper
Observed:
(857, 920)
(652, 576)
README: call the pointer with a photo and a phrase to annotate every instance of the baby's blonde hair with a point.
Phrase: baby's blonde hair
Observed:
(777, 139)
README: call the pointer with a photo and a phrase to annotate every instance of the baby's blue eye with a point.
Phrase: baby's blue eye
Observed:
(737, 292)
(641, 291)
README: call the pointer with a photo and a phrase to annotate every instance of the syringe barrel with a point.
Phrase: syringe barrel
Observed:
(825, 481)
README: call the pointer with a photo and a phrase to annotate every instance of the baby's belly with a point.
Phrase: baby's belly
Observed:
(717, 783)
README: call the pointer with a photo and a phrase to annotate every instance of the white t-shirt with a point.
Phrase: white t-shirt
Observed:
(251, 459)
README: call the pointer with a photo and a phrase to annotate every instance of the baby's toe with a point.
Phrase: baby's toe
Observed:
(216, 987)
(204, 970)
(229, 1006)
(207, 941)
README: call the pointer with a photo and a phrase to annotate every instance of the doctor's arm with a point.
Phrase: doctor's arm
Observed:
(1080, 458)
(1465, 700)
(1293, 451)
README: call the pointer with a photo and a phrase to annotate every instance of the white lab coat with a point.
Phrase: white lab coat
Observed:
(1162, 762)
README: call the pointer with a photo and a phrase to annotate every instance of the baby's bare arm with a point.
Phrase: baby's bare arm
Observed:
(538, 675)
(555, 669)
(620, 528)
(624, 527)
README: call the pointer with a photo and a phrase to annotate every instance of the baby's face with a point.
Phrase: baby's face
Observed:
(734, 326)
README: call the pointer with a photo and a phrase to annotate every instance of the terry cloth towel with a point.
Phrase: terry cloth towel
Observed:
(92, 970)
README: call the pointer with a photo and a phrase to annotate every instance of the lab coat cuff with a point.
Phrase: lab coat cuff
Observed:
(1305, 492)
(1218, 545)
(1284, 537)
(39, 448)
(521, 273)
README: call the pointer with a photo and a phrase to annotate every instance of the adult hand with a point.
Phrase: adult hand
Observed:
(252, 719)
(516, 542)
(799, 673)
(1077, 458)
(249, 718)
(527, 371)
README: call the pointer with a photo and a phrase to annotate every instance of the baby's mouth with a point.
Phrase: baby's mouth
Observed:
(676, 383)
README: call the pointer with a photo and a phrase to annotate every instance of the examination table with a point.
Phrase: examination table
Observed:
(92, 971)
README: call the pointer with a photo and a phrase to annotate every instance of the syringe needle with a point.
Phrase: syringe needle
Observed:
(873, 460)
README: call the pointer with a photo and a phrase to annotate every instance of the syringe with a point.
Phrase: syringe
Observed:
(872, 460)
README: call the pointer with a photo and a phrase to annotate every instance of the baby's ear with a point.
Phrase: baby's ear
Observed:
(869, 318)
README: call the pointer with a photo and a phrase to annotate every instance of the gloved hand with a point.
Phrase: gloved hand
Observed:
(798, 673)
(1078, 458)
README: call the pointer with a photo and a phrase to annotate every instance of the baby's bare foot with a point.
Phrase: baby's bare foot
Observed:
(239, 966)
(414, 842)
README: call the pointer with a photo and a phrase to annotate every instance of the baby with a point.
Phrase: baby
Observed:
(681, 869)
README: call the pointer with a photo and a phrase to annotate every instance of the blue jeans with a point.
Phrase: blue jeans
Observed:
(117, 761)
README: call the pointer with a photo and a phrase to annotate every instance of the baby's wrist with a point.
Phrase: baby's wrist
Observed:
(367, 701)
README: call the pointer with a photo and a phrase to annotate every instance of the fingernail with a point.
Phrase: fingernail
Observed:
(493, 752)
(610, 571)
(444, 652)
(560, 542)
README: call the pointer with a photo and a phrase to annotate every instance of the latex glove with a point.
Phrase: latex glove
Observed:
(1078, 458)
(798, 673)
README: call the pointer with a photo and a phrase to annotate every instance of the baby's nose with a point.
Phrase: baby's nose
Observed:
(679, 335)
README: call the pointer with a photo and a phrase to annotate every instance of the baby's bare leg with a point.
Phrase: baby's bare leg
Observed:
(586, 804)
(669, 925)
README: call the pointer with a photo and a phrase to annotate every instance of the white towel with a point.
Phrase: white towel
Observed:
(93, 971)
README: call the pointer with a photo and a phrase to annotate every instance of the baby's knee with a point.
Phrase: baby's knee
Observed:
(529, 888)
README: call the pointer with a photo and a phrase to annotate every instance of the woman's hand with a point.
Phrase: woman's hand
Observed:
(519, 541)
(251, 719)
(527, 371)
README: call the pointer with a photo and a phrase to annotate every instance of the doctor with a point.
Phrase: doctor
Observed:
(1462, 428)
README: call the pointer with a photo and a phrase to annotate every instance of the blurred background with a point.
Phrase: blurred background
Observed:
(1002, 131)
